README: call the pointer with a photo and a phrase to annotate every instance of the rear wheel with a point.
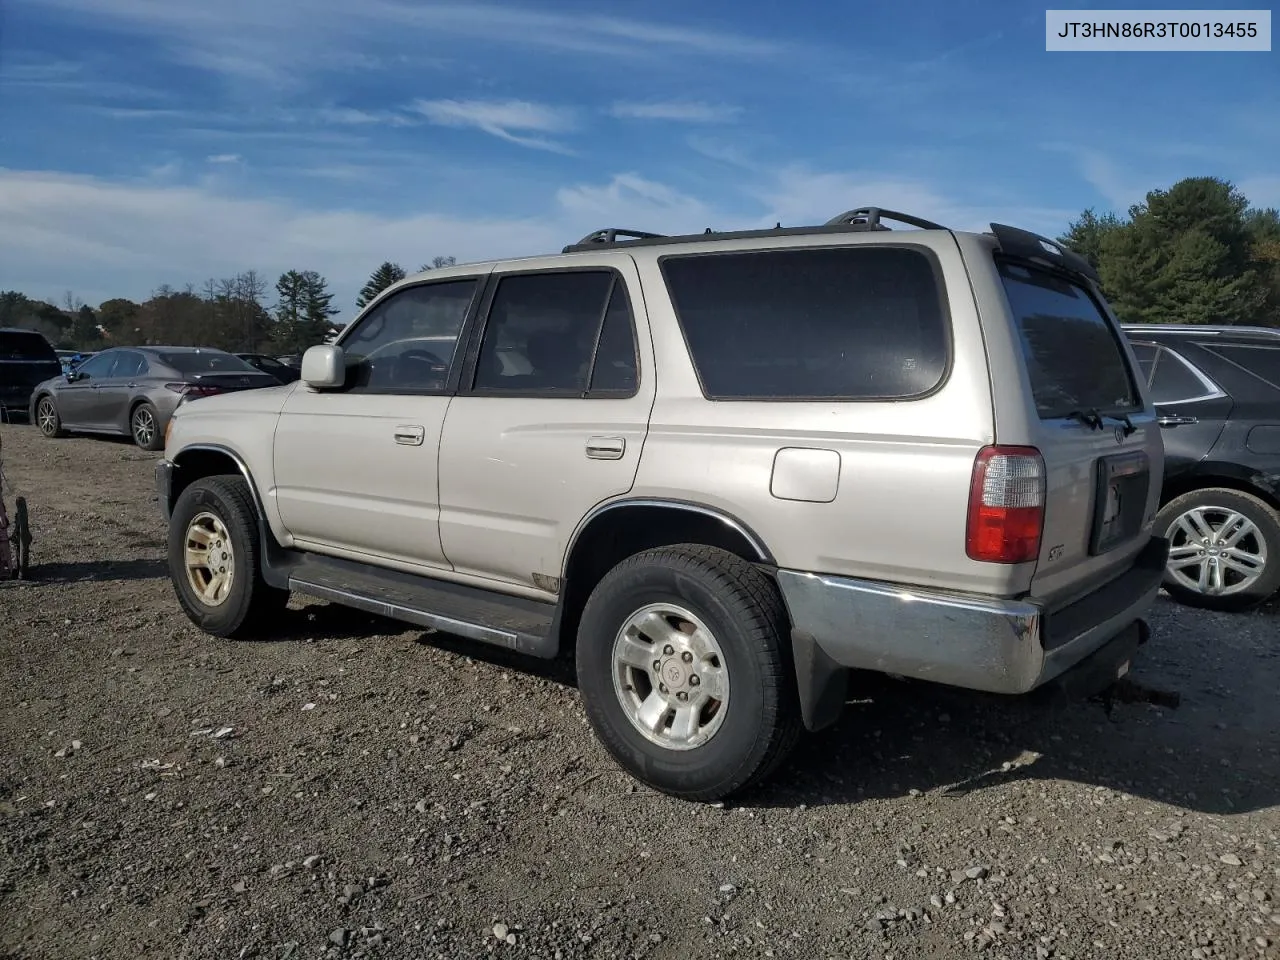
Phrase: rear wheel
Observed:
(47, 419)
(685, 671)
(144, 424)
(214, 559)
(1224, 549)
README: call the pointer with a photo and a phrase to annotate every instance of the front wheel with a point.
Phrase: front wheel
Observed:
(1224, 549)
(47, 419)
(686, 673)
(214, 559)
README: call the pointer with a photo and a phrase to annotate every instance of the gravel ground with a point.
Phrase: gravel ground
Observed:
(354, 789)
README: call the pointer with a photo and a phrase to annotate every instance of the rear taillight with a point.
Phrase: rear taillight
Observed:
(1006, 505)
(191, 390)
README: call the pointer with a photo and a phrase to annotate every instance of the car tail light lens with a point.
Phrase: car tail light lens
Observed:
(191, 390)
(1006, 505)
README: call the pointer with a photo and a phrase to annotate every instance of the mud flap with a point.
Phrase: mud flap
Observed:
(823, 684)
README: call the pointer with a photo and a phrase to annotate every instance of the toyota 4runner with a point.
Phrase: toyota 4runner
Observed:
(721, 469)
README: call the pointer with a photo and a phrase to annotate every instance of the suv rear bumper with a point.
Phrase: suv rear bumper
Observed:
(979, 643)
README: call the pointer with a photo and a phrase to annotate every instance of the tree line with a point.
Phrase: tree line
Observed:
(239, 313)
(1197, 252)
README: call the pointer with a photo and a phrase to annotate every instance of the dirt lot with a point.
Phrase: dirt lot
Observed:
(356, 789)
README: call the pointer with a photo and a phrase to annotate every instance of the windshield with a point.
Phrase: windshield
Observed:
(206, 362)
(24, 345)
(1072, 352)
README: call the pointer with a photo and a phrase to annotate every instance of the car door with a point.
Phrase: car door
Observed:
(1190, 407)
(77, 396)
(550, 419)
(109, 405)
(355, 467)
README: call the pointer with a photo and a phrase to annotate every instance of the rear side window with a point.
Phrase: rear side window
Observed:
(1262, 362)
(23, 345)
(851, 323)
(1073, 354)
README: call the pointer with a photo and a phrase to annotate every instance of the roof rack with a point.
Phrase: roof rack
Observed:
(1204, 330)
(611, 235)
(872, 217)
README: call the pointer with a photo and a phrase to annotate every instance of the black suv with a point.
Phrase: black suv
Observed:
(1216, 391)
(26, 359)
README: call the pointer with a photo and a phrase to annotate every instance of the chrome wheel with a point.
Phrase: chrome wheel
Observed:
(1216, 551)
(144, 427)
(670, 676)
(47, 417)
(210, 561)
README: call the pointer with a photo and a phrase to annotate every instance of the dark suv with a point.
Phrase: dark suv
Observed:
(26, 359)
(1216, 390)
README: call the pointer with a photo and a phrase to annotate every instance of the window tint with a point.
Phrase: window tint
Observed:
(543, 331)
(1072, 355)
(21, 345)
(614, 371)
(97, 367)
(407, 343)
(1175, 381)
(1262, 362)
(1146, 354)
(129, 363)
(862, 323)
(205, 361)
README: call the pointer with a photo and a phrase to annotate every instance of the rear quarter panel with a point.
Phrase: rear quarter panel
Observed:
(899, 508)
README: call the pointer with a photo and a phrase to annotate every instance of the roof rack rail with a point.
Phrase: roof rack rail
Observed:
(871, 217)
(611, 235)
(1017, 242)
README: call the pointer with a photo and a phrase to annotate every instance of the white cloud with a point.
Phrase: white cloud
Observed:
(689, 111)
(508, 119)
(225, 158)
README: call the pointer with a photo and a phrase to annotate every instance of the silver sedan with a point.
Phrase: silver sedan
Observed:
(132, 391)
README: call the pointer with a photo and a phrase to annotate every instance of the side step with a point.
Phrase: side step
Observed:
(516, 623)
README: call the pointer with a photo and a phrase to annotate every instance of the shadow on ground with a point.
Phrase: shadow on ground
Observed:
(97, 571)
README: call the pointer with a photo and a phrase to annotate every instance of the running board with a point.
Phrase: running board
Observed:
(515, 623)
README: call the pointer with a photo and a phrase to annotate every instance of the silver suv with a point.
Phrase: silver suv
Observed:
(721, 470)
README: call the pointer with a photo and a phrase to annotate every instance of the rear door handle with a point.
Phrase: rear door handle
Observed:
(606, 448)
(1175, 421)
(410, 435)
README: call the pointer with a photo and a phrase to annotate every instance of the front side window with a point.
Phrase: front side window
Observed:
(408, 342)
(96, 367)
(1072, 352)
(567, 333)
(831, 323)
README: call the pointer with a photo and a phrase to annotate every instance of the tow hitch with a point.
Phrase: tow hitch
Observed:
(1124, 689)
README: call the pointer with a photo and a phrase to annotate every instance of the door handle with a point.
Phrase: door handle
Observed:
(410, 435)
(606, 448)
(1175, 421)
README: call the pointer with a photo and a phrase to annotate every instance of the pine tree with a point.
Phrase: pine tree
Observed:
(303, 310)
(383, 277)
(84, 329)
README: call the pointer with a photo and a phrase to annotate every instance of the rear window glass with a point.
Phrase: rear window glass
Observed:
(1072, 353)
(21, 345)
(1262, 362)
(206, 363)
(852, 323)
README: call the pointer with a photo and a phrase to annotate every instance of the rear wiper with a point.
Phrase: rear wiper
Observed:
(1129, 428)
(1090, 418)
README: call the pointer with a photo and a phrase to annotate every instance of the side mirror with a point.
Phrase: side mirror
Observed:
(324, 367)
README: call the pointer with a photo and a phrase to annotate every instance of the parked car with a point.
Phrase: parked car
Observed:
(281, 371)
(133, 391)
(722, 469)
(26, 359)
(1217, 392)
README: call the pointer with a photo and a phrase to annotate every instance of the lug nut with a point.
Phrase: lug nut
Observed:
(662, 688)
(694, 681)
(682, 695)
(687, 657)
(668, 650)
(657, 664)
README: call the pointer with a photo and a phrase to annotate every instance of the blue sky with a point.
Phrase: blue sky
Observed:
(168, 141)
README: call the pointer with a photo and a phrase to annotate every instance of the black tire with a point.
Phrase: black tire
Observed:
(1219, 501)
(144, 427)
(48, 421)
(250, 607)
(742, 608)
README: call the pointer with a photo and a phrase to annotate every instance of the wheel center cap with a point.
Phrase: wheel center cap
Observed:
(674, 673)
